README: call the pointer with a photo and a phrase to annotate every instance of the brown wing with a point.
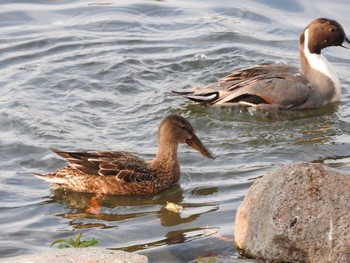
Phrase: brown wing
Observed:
(283, 90)
(276, 84)
(261, 70)
(125, 166)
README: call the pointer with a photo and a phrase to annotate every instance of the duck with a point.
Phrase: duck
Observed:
(122, 173)
(282, 86)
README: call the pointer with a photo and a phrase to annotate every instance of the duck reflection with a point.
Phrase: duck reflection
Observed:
(171, 238)
(337, 161)
(120, 208)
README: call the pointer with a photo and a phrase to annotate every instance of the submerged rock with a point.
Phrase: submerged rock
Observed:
(224, 260)
(298, 213)
(79, 255)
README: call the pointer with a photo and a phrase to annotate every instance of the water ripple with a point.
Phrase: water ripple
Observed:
(98, 75)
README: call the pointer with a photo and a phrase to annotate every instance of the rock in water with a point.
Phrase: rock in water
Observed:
(79, 255)
(298, 213)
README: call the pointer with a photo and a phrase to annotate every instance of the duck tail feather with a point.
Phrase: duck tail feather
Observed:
(51, 179)
(201, 98)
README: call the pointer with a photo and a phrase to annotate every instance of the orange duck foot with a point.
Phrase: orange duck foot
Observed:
(95, 207)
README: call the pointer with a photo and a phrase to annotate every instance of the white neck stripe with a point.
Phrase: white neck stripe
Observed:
(320, 63)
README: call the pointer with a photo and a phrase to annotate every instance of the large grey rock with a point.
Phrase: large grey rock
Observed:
(299, 213)
(79, 255)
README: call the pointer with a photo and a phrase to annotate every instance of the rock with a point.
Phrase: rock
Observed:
(224, 260)
(79, 255)
(298, 213)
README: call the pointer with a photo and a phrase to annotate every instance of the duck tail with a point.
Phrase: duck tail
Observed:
(51, 178)
(205, 98)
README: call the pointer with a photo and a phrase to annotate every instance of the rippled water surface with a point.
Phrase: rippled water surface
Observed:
(98, 74)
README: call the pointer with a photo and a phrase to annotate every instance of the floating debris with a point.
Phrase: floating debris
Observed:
(173, 207)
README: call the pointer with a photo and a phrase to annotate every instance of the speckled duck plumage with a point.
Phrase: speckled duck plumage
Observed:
(122, 173)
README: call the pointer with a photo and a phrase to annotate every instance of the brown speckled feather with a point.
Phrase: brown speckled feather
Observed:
(122, 173)
(73, 179)
(124, 166)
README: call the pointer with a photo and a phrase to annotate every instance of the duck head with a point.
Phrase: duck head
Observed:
(322, 33)
(175, 129)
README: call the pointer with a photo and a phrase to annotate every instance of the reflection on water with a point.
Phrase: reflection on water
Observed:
(335, 161)
(121, 208)
(84, 75)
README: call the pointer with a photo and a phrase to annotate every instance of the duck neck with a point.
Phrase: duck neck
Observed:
(167, 153)
(318, 71)
(167, 163)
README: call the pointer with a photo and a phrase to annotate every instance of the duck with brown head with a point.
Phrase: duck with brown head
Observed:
(283, 86)
(122, 173)
(319, 34)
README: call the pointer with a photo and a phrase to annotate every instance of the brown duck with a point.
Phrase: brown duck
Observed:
(121, 173)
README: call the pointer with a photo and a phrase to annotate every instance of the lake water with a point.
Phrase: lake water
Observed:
(97, 75)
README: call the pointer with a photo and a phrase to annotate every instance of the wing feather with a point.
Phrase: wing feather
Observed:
(276, 84)
(125, 166)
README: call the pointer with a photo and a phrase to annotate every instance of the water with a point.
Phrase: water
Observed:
(98, 75)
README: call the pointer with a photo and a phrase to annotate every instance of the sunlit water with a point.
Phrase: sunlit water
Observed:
(98, 75)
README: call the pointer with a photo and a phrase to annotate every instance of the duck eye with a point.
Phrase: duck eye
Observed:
(332, 29)
(183, 127)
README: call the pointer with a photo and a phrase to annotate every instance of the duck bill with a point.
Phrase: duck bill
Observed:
(346, 40)
(196, 144)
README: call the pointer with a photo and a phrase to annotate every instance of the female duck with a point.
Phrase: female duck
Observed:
(121, 173)
(280, 85)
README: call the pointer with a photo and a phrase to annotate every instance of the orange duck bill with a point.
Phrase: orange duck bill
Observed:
(196, 144)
